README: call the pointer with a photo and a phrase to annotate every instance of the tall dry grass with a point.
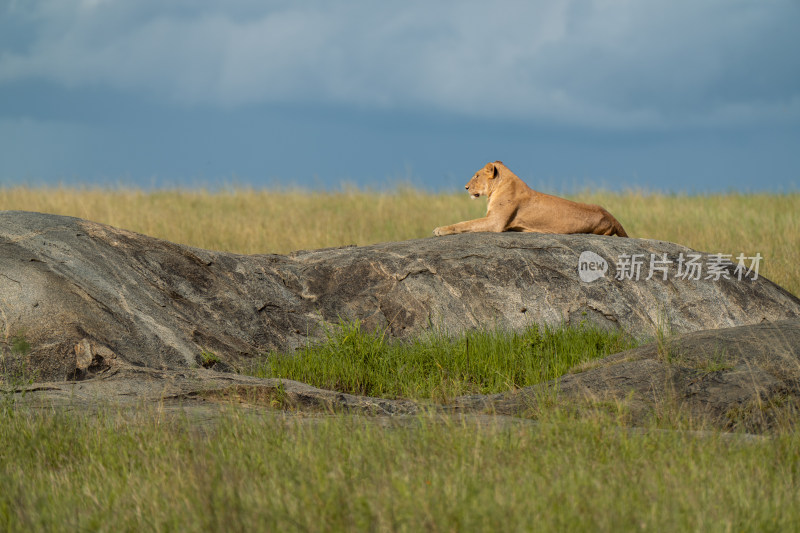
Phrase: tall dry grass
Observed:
(260, 221)
(101, 470)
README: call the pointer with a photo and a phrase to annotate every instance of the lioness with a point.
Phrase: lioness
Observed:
(513, 206)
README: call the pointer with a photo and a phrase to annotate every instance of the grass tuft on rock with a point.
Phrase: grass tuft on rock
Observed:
(438, 366)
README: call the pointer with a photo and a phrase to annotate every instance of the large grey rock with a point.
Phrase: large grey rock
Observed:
(84, 294)
(747, 377)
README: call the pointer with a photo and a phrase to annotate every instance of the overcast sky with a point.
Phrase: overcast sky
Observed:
(700, 95)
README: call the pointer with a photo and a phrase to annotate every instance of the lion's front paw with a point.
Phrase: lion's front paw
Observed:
(438, 232)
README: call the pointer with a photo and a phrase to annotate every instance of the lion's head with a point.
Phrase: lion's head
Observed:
(482, 182)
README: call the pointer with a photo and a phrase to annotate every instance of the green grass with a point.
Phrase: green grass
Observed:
(438, 366)
(73, 471)
(14, 371)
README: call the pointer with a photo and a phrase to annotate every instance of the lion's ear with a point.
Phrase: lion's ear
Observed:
(491, 170)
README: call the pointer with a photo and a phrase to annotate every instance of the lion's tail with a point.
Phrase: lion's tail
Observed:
(617, 229)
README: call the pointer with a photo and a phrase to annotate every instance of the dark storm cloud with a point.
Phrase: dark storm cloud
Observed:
(603, 64)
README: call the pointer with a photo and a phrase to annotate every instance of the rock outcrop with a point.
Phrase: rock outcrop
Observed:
(85, 296)
(745, 378)
(742, 378)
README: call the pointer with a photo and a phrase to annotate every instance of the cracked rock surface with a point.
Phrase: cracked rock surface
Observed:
(88, 297)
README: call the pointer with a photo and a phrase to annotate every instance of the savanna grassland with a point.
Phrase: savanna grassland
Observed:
(262, 221)
(112, 470)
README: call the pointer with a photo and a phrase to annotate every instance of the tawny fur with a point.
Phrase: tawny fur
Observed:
(513, 206)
